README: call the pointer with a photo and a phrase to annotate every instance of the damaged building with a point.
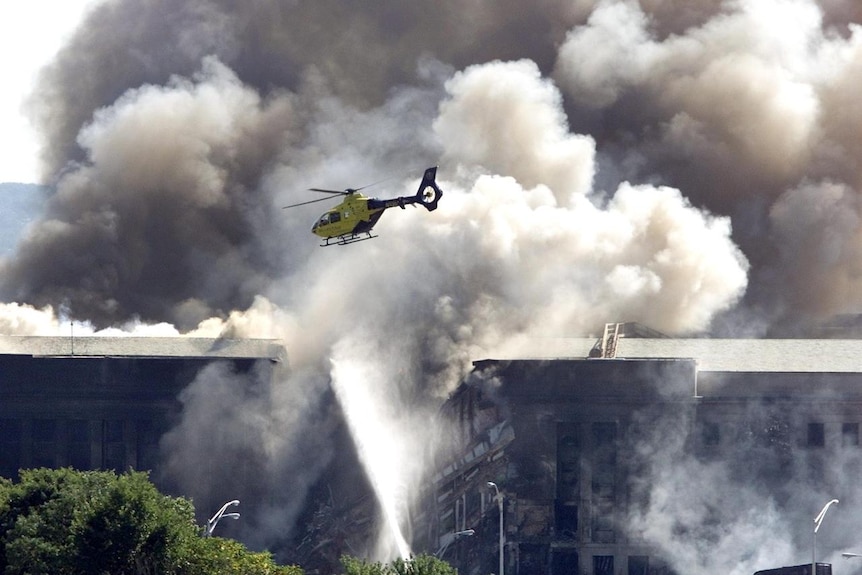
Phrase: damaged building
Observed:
(592, 446)
(570, 448)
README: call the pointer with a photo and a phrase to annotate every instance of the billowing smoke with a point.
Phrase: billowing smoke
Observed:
(748, 504)
(688, 165)
(740, 110)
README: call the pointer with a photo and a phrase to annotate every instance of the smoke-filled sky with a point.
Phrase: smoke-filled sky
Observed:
(690, 165)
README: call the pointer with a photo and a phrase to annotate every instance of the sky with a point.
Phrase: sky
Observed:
(28, 40)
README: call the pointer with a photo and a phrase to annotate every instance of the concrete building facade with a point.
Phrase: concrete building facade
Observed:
(103, 402)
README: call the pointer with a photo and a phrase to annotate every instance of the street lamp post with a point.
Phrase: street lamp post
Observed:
(211, 524)
(817, 521)
(449, 539)
(499, 498)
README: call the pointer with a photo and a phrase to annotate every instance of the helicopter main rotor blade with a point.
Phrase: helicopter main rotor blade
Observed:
(304, 203)
(346, 192)
(338, 192)
(349, 191)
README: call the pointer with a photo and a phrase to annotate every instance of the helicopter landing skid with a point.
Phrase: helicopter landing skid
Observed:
(347, 239)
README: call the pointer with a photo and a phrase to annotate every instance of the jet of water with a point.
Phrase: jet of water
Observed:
(377, 439)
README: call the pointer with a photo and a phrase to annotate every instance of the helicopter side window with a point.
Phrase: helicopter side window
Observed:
(334, 217)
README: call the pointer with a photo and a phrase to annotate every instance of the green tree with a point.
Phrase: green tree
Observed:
(423, 564)
(68, 522)
(217, 555)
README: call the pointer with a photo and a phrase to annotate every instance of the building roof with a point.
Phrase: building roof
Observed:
(715, 355)
(161, 347)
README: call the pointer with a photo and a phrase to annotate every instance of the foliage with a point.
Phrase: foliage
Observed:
(217, 555)
(68, 522)
(423, 564)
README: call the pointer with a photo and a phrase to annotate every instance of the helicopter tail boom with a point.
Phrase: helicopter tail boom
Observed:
(428, 195)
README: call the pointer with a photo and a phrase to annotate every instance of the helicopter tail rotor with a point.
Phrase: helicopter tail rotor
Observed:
(429, 192)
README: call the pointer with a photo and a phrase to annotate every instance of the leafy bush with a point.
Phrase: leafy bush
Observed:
(420, 565)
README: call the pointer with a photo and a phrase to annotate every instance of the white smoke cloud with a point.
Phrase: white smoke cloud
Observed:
(662, 261)
(600, 60)
(748, 501)
(25, 320)
(22, 319)
(700, 527)
(505, 117)
(742, 83)
(185, 125)
(745, 104)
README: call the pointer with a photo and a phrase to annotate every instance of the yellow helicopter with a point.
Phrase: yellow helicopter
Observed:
(353, 219)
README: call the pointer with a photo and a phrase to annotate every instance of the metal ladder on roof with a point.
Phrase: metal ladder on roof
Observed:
(613, 332)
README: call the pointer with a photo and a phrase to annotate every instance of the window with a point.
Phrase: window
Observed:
(850, 435)
(447, 520)
(565, 562)
(605, 434)
(568, 481)
(472, 505)
(533, 559)
(638, 565)
(710, 433)
(566, 520)
(816, 435)
(603, 565)
(603, 492)
(568, 463)
(79, 444)
(147, 444)
(10, 446)
(113, 446)
(113, 431)
(10, 430)
(44, 430)
(44, 450)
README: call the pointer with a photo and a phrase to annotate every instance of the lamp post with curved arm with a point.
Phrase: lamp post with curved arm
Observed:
(817, 521)
(499, 498)
(449, 539)
(211, 524)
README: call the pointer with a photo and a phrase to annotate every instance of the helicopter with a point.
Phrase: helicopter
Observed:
(353, 219)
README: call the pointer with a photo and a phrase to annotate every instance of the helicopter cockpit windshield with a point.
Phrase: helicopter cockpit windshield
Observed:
(327, 218)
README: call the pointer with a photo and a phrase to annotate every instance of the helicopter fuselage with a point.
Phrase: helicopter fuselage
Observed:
(355, 215)
(353, 219)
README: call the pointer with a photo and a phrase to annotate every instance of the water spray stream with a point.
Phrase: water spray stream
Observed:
(376, 441)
